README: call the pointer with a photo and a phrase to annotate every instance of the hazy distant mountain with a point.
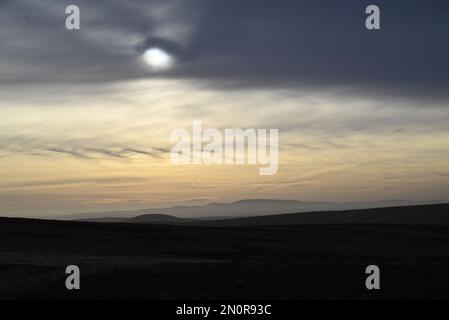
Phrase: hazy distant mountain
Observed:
(159, 219)
(246, 208)
(419, 215)
(103, 220)
(147, 218)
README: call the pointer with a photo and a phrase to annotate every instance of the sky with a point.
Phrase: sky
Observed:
(85, 117)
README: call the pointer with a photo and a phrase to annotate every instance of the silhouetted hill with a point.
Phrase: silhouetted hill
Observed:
(103, 220)
(144, 261)
(420, 215)
(425, 214)
(247, 208)
(158, 219)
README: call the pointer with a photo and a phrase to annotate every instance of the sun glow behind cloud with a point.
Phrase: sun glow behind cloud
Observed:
(158, 59)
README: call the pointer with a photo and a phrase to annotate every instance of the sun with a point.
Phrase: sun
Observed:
(158, 59)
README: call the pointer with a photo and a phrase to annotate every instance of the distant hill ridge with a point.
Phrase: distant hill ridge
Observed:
(247, 208)
(158, 218)
(437, 214)
(412, 215)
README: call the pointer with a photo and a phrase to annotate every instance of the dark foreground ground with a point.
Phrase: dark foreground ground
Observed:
(125, 261)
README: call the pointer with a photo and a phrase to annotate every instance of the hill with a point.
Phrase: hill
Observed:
(158, 219)
(140, 261)
(415, 215)
(247, 208)
(420, 215)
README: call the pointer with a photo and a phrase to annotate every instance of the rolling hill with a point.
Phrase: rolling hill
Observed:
(276, 257)
(413, 215)
(245, 208)
(420, 215)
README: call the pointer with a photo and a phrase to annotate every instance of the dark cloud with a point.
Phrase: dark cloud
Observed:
(172, 47)
(93, 153)
(41, 146)
(38, 48)
(71, 152)
(325, 43)
(252, 43)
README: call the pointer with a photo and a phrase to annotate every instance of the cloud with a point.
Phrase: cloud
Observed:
(78, 181)
(38, 48)
(40, 147)
(69, 152)
(324, 43)
(261, 44)
(120, 153)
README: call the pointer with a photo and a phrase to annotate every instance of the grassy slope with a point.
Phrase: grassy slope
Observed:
(146, 261)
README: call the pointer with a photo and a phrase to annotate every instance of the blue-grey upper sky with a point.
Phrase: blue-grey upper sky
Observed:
(250, 43)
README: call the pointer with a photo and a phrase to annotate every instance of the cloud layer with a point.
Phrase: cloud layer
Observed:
(263, 43)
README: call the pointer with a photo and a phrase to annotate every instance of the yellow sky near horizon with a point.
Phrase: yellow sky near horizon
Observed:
(62, 147)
